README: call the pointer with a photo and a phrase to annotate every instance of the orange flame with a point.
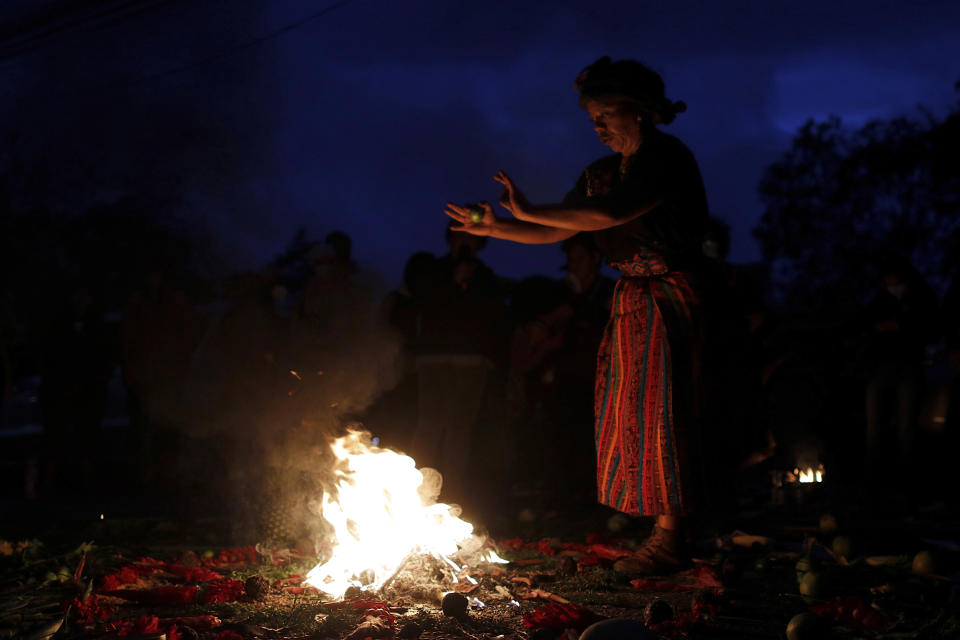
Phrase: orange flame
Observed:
(384, 512)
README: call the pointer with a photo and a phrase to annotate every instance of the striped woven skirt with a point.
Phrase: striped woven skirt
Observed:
(645, 396)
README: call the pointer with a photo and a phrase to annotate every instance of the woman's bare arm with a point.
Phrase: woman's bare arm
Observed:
(529, 232)
(504, 228)
(576, 218)
(562, 216)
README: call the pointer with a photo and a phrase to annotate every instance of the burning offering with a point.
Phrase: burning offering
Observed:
(383, 514)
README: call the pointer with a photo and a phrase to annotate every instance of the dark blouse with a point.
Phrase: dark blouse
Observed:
(663, 168)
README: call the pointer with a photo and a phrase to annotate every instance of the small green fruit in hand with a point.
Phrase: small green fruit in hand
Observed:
(476, 214)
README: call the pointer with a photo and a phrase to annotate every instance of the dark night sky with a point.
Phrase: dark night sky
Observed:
(370, 116)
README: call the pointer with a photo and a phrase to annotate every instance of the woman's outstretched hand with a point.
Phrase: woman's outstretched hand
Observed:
(512, 199)
(477, 219)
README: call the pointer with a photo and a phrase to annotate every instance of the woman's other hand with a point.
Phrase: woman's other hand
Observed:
(512, 199)
(476, 219)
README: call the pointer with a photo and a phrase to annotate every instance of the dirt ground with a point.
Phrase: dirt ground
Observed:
(856, 573)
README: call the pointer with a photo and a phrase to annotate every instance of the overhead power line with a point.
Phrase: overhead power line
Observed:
(199, 62)
(128, 8)
(37, 31)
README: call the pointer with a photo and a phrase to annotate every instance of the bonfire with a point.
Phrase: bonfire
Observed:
(384, 512)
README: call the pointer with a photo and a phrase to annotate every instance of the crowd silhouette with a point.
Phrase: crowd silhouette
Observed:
(232, 393)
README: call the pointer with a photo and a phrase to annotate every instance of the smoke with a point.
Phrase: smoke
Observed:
(169, 107)
(278, 374)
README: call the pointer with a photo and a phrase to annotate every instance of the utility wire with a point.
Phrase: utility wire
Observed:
(198, 62)
(240, 47)
(31, 34)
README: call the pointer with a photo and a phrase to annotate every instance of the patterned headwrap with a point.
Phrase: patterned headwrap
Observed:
(630, 81)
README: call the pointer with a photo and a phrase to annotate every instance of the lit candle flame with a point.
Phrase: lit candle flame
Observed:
(809, 475)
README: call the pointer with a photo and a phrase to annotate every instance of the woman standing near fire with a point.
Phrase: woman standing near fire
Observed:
(646, 208)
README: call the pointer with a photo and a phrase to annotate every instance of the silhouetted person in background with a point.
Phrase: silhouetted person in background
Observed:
(558, 326)
(77, 363)
(403, 308)
(589, 296)
(461, 343)
(394, 414)
(735, 435)
(8, 340)
(590, 291)
(240, 376)
(342, 249)
(304, 375)
(535, 444)
(951, 329)
(333, 282)
(950, 316)
(159, 334)
(897, 324)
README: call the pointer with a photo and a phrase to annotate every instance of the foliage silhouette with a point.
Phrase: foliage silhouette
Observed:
(839, 197)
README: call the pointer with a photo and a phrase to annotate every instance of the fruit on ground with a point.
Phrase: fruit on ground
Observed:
(811, 586)
(924, 563)
(805, 626)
